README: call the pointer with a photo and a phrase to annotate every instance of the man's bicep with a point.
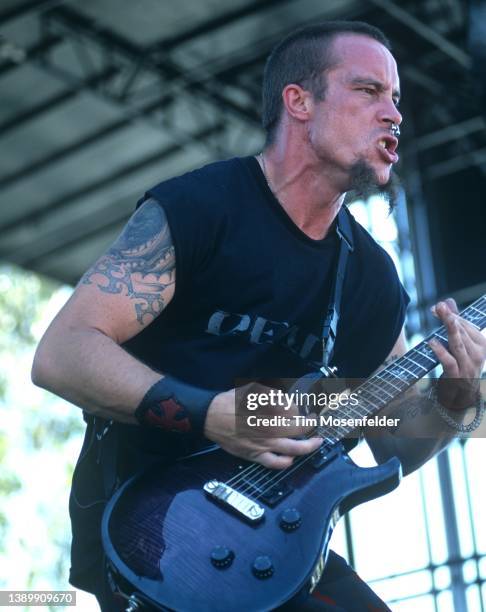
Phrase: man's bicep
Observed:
(131, 284)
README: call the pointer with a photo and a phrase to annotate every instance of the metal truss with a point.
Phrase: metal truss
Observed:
(26, 8)
(53, 102)
(111, 67)
(113, 47)
(52, 242)
(122, 55)
(146, 84)
(427, 33)
(32, 53)
(451, 124)
(450, 121)
(129, 67)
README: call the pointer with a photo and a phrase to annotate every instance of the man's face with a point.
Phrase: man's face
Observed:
(352, 124)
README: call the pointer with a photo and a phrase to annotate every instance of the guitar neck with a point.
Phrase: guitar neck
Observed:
(387, 384)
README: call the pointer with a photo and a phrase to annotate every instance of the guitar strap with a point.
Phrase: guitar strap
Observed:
(329, 328)
(105, 437)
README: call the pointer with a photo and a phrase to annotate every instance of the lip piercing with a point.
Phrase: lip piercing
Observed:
(395, 130)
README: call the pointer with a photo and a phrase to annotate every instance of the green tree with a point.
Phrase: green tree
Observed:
(35, 426)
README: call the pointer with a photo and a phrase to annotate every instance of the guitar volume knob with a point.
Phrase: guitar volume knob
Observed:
(222, 557)
(290, 519)
(263, 567)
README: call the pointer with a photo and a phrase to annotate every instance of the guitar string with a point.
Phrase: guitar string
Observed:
(279, 479)
(265, 472)
(258, 467)
(279, 476)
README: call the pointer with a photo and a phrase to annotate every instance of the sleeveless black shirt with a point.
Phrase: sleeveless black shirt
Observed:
(252, 288)
(251, 293)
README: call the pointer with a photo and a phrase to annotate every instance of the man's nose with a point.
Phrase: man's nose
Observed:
(390, 113)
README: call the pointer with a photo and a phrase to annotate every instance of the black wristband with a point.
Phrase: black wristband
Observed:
(175, 406)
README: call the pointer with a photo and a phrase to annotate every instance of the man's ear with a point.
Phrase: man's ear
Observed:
(297, 101)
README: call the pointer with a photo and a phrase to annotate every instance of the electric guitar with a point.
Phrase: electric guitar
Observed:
(215, 533)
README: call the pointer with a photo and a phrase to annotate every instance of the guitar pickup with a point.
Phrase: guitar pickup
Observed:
(324, 455)
(274, 495)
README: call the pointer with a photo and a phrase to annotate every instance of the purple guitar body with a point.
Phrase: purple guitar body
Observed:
(161, 531)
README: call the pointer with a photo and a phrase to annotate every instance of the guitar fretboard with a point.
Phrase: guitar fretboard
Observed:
(397, 377)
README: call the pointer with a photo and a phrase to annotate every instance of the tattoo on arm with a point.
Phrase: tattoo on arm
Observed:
(390, 360)
(140, 264)
(407, 407)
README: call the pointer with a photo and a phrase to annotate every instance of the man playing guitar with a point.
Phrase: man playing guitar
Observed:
(225, 272)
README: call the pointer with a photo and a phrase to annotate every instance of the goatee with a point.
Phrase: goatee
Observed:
(364, 184)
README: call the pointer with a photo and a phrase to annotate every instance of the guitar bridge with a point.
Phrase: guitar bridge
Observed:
(234, 500)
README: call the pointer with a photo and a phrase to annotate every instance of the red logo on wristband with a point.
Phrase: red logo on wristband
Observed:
(169, 415)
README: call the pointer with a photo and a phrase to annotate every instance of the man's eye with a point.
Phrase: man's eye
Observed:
(369, 91)
(396, 102)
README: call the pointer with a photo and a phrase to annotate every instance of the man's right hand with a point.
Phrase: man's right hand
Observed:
(276, 450)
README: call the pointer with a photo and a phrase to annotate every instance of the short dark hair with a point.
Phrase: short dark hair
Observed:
(301, 58)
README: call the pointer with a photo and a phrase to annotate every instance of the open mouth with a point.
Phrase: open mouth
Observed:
(387, 146)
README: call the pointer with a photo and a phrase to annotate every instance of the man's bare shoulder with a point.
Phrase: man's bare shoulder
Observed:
(138, 270)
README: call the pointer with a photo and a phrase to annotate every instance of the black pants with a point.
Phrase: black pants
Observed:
(339, 590)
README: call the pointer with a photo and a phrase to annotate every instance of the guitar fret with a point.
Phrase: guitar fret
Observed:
(372, 395)
(396, 388)
(397, 379)
(367, 407)
(425, 355)
(366, 403)
(343, 431)
(334, 430)
(380, 388)
(473, 317)
(406, 369)
(370, 392)
(475, 309)
(371, 408)
(415, 363)
(350, 411)
(388, 382)
(437, 335)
